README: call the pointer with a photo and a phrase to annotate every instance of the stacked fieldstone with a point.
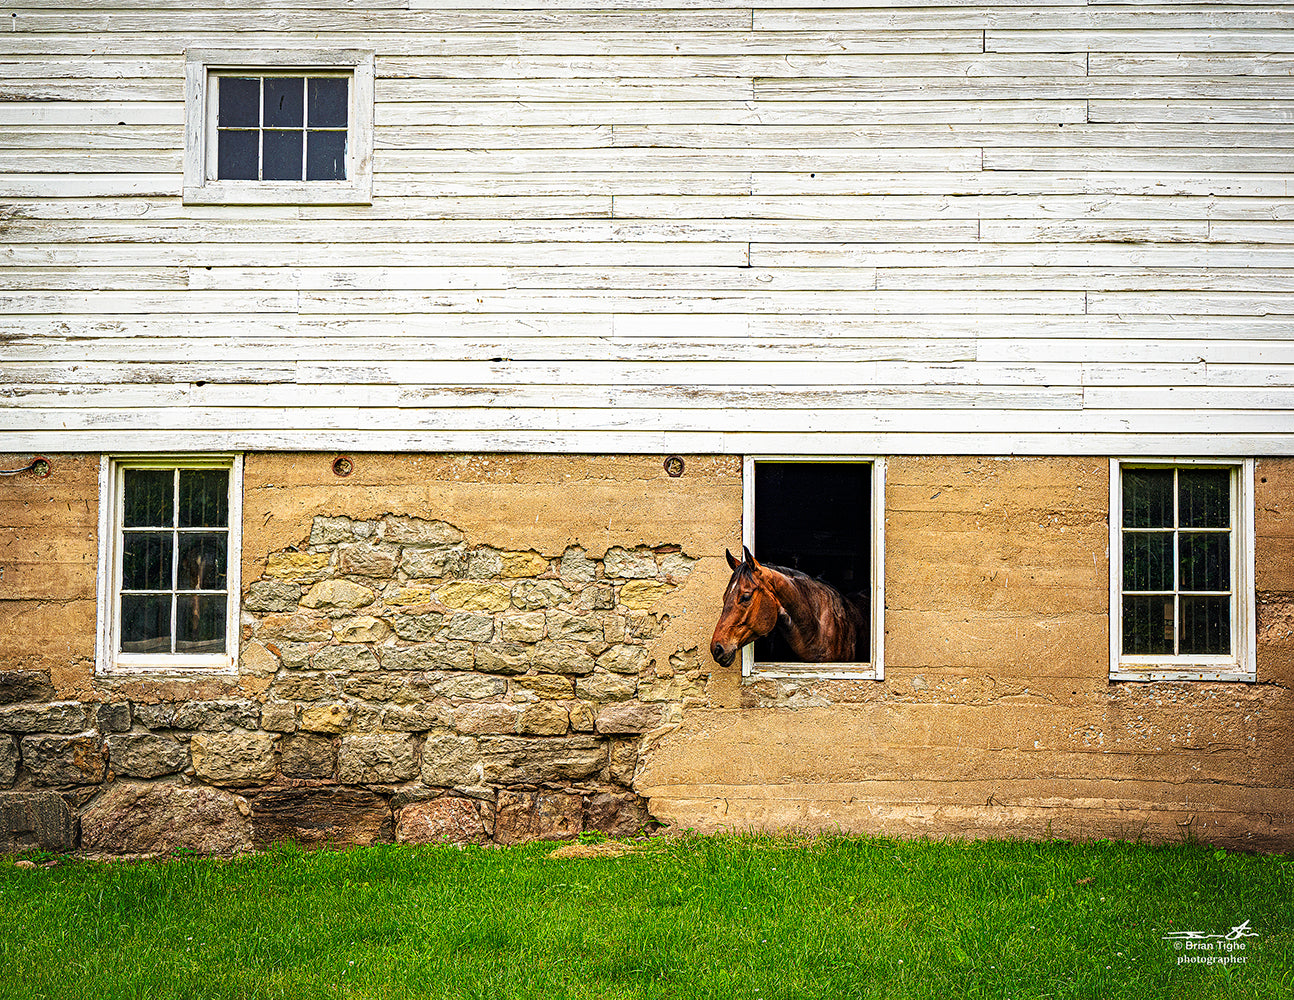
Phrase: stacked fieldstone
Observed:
(416, 687)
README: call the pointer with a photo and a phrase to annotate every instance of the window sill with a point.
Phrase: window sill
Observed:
(287, 193)
(1182, 672)
(812, 671)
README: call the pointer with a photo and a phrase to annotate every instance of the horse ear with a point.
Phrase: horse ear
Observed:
(745, 554)
(732, 563)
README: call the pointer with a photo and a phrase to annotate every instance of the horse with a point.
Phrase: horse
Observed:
(820, 623)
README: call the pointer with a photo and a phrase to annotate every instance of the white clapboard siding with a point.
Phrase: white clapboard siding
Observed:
(843, 227)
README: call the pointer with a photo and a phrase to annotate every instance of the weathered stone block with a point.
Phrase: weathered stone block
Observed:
(630, 717)
(431, 656)
(502, 658)
(296, 565)
(544, 685)
(8, 761)
(470, 627)
(374, 687)
(405, 530)
(35, 821)
(676, 689)
(473, 595)
(342, 817)
(303, 687)
(294, 655)
(363, 628)
(279, 717)
(367, 559)
(525, 626)
(349, 658)
(450, 760)
(278, 629)
(535, 595)
(583, 715)
(567, 627)
(630, 564)
(596, 597)
(255, 660)
(64, 760)
(577, 566)
(642, 595)
(623, 659)
(306, 755)
(25, 685)
(603, 686)
(437, 562)
(147, 819)
(484, 562)
(272, 596)
(623, 763)
(617, 814)
(515, 565)
(331, 530)
(210, 716)
(447, 819)
(376, 757)
(143, 755)
(338, 595)
(470, 687)
(233, 758)
(417, 718)
(544, 718)
(419, 627)
(643, 625)
(561, 658)
(404, 597)
(524, 816)
(538, 759)
(325, 718)
(677, 567)
(486, 717)
(60, 717)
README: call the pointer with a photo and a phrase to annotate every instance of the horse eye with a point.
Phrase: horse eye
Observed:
(743, 599)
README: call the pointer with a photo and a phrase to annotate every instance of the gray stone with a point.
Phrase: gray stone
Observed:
(630, 564)
(448, 819)
(375, 559)
(407, 530)
(25, 685)
(536, 595)
(502, 658)
(60, 717)
(315, 816)
(35, 821)
(143, 755)
(450, 760)
(677, 567)
(538, 759)
(577, 566)
(374, 687)
(64, 760)
(305, 755)
(471, 627)
(431, 656)
(484, 562)
(209, 716)
(419, 627)
(350, 658)
(113, 717)
(437, 562)
(272, 596)
(625, 659)
(486, 717)
(148, 819)
(624, 761)
(544, 815)
(376, 757)
(470, 687)
(602, 686)
(561, 658)
(279, 717)
(8, 760)
(597, 597)
(630, 717)
(233, 758)
(567, 627)
(417, 718)
(303, 687)
(331, 530)
(294, 655)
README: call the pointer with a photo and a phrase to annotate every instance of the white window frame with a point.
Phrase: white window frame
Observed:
(108, 661)
(875, 668)
(201, 187)
(1240, 665)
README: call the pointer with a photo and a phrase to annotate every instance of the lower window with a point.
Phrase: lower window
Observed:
(1181, 554)
(169, 581)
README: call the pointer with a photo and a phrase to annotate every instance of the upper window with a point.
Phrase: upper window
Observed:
(1181, 571)
(169, 563)
(298, 129)
(823, 519)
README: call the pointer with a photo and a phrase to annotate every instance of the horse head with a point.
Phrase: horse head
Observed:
(750, 610)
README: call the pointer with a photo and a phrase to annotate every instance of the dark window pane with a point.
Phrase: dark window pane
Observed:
(204, 498)
(1147, 625)
(328, 106)
(1148, 498)
(1148, 560)
(202, 561)
(150, 498)
(1206, 626)
(200, 623)
(1205, 560)
(325, 156)
(282, 156)
(237, 154)
(145, 623)
(240, 102)
(146, 560)
(284, 102)
(1204, 498)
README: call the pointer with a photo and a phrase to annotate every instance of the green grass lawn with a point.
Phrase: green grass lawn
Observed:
(744, 917)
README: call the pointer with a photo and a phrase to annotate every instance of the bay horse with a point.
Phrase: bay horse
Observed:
(819, 623)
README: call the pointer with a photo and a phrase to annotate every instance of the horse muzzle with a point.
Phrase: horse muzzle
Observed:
(723, 656)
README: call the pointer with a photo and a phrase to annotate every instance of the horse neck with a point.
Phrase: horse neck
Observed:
(801, 613)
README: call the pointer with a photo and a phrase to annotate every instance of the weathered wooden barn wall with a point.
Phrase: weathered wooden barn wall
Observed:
(643, 225)
(997, 716)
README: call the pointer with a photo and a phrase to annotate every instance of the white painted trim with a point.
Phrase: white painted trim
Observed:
(873, 670)
(1242, 665)
(109, 663)
(199, 128)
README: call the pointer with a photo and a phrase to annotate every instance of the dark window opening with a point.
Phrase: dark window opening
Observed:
(282, 128)
(816, 517)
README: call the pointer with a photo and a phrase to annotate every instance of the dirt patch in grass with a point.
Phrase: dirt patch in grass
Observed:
(606, 849)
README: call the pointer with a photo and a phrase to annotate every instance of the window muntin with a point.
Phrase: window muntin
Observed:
(281, 128)
(169, 563)
(1181, 570)
(825, 518)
